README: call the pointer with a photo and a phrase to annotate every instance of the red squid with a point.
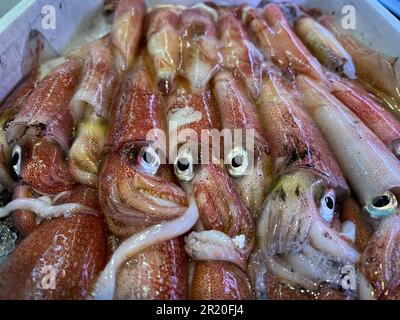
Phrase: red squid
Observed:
(378, 72)
(239, 53)
(62, 257)
(8, 111)
(140, 199)
(90, 107)
(380, 263)
(296, 237)
(248, 162)
(41, 132)
(371, 168)
(127, 32)
(279, 43)
(225, 234)
(164, 45)
(379, 120)
(201, 58)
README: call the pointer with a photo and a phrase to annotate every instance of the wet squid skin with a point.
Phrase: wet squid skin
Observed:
(99, 80)
(90, 107)
(378, 72)
(295, 140)
(352, 211)
(41, 132)
(23, 220)
(380, 260)
(164, 45)
(279, 43)
(371, 169)
(66, 253)
(159, 272)
(240, 55)
(8, 111)
(298, 245)
(201, 58)
(127, 31)
(380, 121)
(323, 44)
(137, 192)
(250, 169)
(225, 234)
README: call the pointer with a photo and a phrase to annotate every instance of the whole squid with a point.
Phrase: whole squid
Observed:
(298, 244)
(371, 169)
(90, 108)
(378, 72)
(240, 55)
(127, 31)
(41, 132)
(201, 58)
(324, 46)
(164, 45)
(62, 257)
(249, 169)
(224, 235)
(279, 43)
(379, 120)
(141, 202)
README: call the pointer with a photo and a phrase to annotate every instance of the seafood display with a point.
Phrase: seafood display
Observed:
(208, 152)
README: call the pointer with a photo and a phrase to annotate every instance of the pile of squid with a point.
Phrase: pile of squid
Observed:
(91, 211)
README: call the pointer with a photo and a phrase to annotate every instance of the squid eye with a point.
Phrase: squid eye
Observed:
(149, 160)
(237, 162)
(184, 166)
(16, 160)
(395, 146)
(328, 206)
(382, 206)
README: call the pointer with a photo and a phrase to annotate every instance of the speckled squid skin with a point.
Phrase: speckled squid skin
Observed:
(238, 51)
(125, 192)
(99, 78)
(123, 204)
(352, 211)
(368, 165)
(236, 108)
(127, 32)
(279, 43)
(157, 273)
(164, 45)
(220, 280)
(19, 96)
(43, 130)
(238, 111)
(44, 166)
(138, 101)
(192, 110)
(221, 207)
(23, 220)
(282, 291)
(47, 109)
(201, 58)
(74, 246)
(138, 110)
(295, 139)
(376, 69)
(379, 120)
(380, 262)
